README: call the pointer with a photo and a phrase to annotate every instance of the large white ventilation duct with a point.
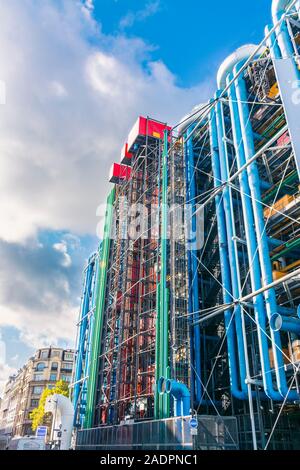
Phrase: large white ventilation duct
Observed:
(187, 120)
(228, 64)
(242, 53)
(278, 8)
(62, 410)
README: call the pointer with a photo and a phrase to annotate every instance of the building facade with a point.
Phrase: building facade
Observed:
(205, 323)
(23, 390)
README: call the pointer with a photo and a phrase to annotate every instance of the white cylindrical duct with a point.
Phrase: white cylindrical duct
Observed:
(187, 120)
(278, 8)
(227, 65)
(63, 412)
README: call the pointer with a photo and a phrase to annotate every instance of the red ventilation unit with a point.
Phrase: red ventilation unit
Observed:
(143, 128)
(119, 173)
(126, 157)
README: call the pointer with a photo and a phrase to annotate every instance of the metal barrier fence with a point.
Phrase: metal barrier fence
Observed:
(169, 434)
(216, 433)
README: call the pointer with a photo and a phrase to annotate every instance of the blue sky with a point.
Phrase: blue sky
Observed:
(191, 37)
(77, 74)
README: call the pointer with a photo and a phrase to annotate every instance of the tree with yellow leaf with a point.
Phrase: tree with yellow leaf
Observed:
(38, 415)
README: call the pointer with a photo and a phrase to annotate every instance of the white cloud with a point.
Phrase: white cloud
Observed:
(66, 258)
(37, 331)
(5, 369)
(89, 4)
(132, 17)
(87, 9)
(70, 105)
(58, 89)
(104, 72)
(15, 358)
(72, 95)
(5, 372)
(40, 291)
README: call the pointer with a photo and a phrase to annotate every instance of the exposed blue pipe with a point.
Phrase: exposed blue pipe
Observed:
(194, 306)
(89, 336)
(284, 41)
(211, 338)
(280, 323)
(265, 184)
(280, 44)
(286, 311)
(230, 231)
(274, 242)
(281, 47)
(91, 325)
(272, 43)
(252, 248)
(181, 395)
(282, 310)
(225, 268)
(263, 249)
(82, 332)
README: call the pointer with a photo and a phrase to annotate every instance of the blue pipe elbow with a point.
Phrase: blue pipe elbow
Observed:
(181, 395)
(177, 389)
(288, 324)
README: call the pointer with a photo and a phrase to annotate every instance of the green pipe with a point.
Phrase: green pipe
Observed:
(162, 355)
(164, 370)
(164, 291)
(157, 396)
(272, 125)
(167, 369)
(288, 247)
(98, 322)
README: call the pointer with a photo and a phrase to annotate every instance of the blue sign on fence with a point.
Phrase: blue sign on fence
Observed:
(193, 423)
(41, 432)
